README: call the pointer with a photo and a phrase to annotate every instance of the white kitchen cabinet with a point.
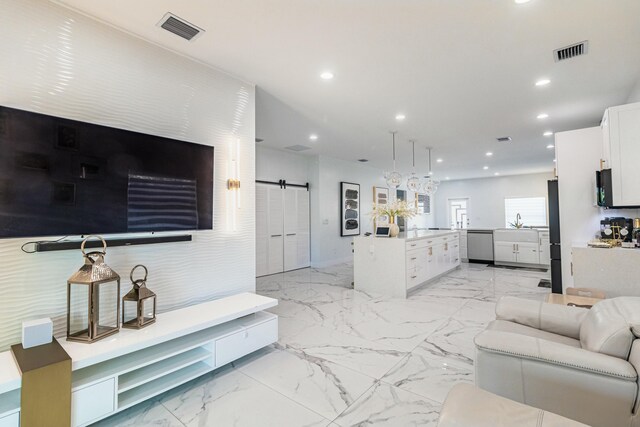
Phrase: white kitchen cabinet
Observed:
(545, 256)
(621, 149)
(282, 229)
(527, 253)
(504, 252)
(519, 246)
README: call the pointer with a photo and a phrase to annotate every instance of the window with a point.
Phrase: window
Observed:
(532, 210)
(458, 213)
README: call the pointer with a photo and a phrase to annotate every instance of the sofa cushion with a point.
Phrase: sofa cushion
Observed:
(516, 328)
(607, 328)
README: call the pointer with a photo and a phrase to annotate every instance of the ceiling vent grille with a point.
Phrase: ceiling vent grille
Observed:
(571, 51)
(504, 139)
(297, 148)
(180, 27)
(363, 160)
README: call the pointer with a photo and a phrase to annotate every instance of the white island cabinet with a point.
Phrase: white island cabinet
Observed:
(395, 266)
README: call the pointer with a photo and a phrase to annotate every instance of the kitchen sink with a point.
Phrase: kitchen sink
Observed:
(515, 235)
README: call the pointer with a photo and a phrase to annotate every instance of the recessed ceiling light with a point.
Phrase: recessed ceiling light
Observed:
(486, 167)
(400, 117)
(489, 154)
(327, 75)
(439, 160)
(542, 116)
(313, 137)
(550, 146)
(543, 82)
(430, 172)
(447, 178)
(521, 1)
(547, 133)
(497, 173)
(554, 160)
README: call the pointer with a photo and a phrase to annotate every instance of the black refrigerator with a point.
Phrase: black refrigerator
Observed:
(554, 237)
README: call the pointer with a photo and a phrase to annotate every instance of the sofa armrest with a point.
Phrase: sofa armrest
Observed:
(468, 406)
(554, 318)
(526, 347)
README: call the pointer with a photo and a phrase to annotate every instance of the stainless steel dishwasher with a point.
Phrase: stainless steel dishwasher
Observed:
(480, 245)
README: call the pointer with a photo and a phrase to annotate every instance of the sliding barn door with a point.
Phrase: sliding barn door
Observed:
(282, 229)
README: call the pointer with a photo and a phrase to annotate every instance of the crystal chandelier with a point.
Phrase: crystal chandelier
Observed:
(394, 179)
(413, 183)
(430, 186)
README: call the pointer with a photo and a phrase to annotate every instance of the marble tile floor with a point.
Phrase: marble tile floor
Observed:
(346, 358)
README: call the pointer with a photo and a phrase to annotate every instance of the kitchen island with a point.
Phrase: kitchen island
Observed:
(396, 266)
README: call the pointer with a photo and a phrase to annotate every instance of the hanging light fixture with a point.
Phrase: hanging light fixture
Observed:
(394, 179)
(413, 183)
(430, 186)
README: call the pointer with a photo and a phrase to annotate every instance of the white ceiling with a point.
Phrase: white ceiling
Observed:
(462, 71)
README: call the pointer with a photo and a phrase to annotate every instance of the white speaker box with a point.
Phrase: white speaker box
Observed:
(37, 332)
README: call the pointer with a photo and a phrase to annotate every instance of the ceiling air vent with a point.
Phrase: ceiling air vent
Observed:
(363, 160)
(504, 139)
(180, 27)
(297, 148)
(259, 140)
(571, 51)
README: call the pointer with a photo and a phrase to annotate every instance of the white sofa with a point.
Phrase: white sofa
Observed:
(579, 363)
(468, 406)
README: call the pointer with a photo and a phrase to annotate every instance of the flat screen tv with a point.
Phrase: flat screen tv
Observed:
(62, 177)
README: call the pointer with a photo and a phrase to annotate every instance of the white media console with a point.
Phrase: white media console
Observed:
(135, 365)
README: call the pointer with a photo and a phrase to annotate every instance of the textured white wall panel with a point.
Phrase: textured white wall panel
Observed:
(58, 62)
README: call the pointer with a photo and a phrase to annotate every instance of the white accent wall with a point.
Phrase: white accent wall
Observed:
(486, 197)
(58, 62)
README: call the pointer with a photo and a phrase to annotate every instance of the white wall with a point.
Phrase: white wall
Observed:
(59, 62)
(274, 165)
(634, 96)
(486, 197)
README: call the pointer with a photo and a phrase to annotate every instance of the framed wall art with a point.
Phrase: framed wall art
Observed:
(381, 197)
(349, 209)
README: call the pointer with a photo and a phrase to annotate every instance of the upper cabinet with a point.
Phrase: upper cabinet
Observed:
(621, 151)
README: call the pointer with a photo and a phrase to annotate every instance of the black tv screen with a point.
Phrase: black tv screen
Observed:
(62, 177)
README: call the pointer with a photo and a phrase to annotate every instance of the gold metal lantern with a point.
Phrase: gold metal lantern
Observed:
(99, 286)
(139, 304)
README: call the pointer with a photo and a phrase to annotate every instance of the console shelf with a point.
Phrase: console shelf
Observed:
(135, 365)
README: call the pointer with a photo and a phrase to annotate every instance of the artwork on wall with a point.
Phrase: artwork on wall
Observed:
(349, 209)
(381, 197)
(423, 204)
(401, 195)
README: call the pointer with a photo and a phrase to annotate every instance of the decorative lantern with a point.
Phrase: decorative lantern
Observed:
(97, 283)
(139, 304)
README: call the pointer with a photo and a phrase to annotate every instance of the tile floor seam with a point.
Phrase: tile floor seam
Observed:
(283, 395)
(169, 411)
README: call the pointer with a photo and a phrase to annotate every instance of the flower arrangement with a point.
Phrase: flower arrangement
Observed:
(396, 208)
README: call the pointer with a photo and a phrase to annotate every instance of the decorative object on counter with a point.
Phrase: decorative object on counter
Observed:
(95, 280)
(349, 209)
(605, 244)
(430, 186)
(635, 233)
(394, 179)
(518, 222)
(413, 182)
(398, 208)
(380, 197)
(139, 304)
(37, 332)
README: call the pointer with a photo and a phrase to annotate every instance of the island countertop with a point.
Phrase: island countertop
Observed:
(424, 234)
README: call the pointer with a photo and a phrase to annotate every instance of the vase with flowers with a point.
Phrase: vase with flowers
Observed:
(397, 208)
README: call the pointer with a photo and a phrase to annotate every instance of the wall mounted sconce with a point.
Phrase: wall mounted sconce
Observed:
(233, 183)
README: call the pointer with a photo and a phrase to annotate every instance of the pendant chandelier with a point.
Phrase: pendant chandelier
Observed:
(430, 186)
(413, 183)
(394, 179)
